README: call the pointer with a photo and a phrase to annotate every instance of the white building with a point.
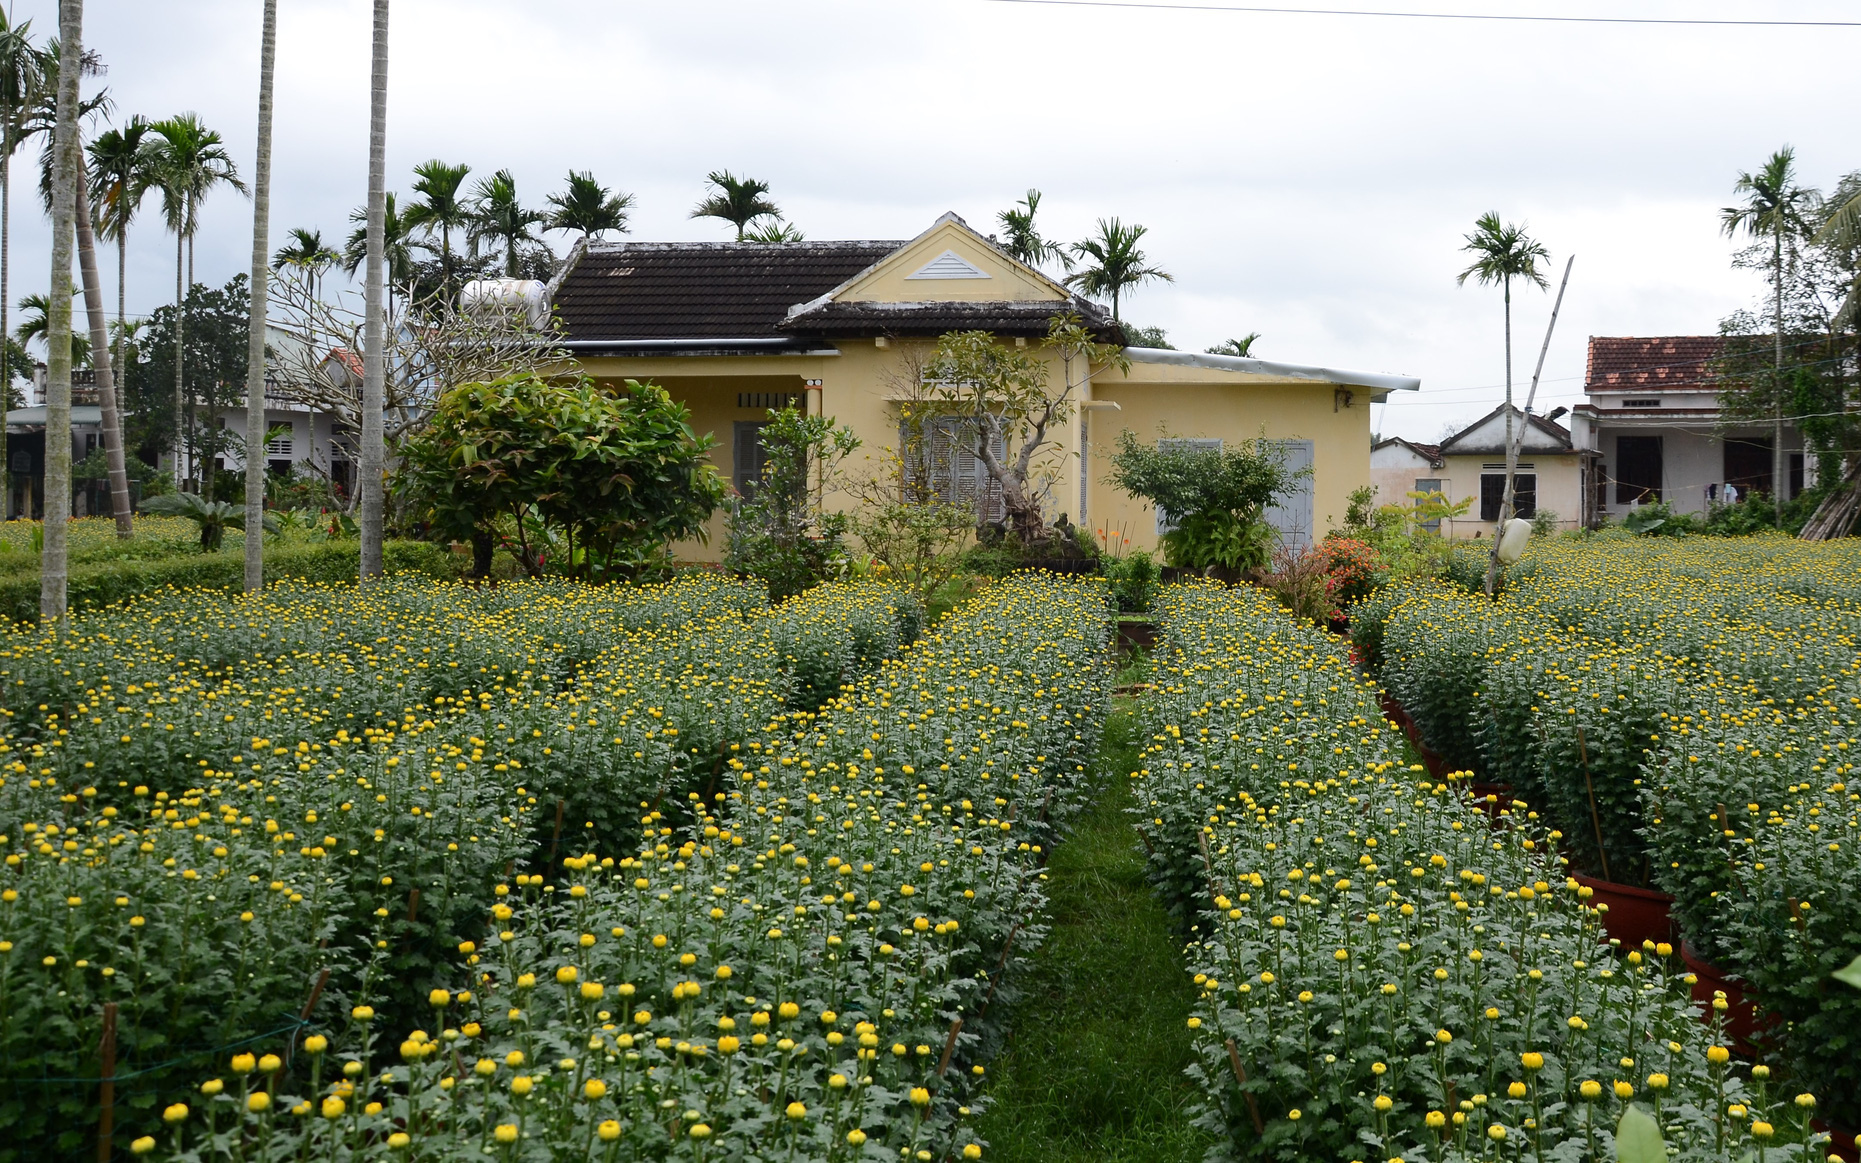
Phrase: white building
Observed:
(1653, 421)
(1550, 475)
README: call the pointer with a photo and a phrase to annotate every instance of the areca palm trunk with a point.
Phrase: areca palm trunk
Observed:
(1777, 462)
(180, 325)
(374, 334)
(6, 372)
(58, 321)
(1512, 460)
(255, 345)
(100, 361)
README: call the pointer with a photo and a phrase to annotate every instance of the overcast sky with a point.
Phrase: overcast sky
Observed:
(1306, 177)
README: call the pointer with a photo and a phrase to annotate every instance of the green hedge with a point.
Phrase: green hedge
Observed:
(103, 583)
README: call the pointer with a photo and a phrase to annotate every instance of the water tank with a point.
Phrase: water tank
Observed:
(526, 299)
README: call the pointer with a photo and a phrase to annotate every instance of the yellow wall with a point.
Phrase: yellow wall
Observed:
(889, 281)
(1185, 401)
(1234, 406)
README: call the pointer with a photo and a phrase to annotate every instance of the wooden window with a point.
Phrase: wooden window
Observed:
(1292, 513)
(748, 456)
(1493, 494)
(1637, 469)
(947, 456)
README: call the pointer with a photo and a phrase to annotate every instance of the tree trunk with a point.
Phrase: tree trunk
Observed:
(6, 371)
(255, 345)
(180, 325)
(1778, 482)
(100, 361)
(1505, 503)
(58, 320)
(374, 330)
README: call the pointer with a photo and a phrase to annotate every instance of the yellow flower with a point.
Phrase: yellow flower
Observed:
(316, 1044)
(270, 1062)
(258, 1102)
(609, 1130)
(1443, 1037)
(439, 999)
(1806, 1101)
(1295, 1114)
(1382, 1102)
(244, 1063)
(1496, 1133)
(1624, 1089)
(333, 1107)
(592, 990)
(175, 1114)
(920, 1097)
(1591, 1088)
(698, 1130)
(566, 975)
(1657, 1082)
(856, 1137)
(1762, 1130)
(1532, 1060)
(505, 1133)
(796, 1110)
(522, 1084)
(212, 1087)
(1516, 1090)
(1436, 1120)
(143, 1145)
(1718, 1055)
(594, 1088)
(972, 1151)
(398, 1141)
(363, 1013)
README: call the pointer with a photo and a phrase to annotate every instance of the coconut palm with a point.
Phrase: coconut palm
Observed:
(498, 217)
(441, 207)
(122, 171)
(1243, 347)
(20, 76)
(587, 208)
(374, 326)
(1113, 262)
(737, 201)
(255, 340)
(1503, 252)
(1023, 241)
(1774, 207)
(190, 160)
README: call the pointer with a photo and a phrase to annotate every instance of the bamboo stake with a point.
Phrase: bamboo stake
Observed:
(1240, 1074)
(106, 1096)
(949, 1047)
(1583, 752)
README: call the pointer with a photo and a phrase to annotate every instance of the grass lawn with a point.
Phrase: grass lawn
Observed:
(1093, 1069)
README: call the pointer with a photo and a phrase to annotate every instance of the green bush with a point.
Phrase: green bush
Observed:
(104, 583)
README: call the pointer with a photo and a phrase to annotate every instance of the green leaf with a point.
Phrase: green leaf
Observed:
(1638, 1138)
(1851, 974)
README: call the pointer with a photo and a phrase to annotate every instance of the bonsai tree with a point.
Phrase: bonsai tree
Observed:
(1215, 500)
(213, 517)
(614, 472)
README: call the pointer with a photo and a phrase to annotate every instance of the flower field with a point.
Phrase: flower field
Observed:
(208, 802)
(1387, 972)
(1685, 712)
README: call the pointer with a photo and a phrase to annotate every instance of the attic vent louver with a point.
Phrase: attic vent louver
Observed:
(949, 265)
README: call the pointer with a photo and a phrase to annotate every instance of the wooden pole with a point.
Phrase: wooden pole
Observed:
(106, 1095)
(1583, 752)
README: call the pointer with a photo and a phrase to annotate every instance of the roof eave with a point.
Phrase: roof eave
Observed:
(1267, 367)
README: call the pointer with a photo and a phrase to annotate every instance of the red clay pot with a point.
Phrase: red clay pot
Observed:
(1842, 1140)
(1743, 1023)
(1635, 914)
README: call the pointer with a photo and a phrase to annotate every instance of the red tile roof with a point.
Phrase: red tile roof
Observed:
(1650, 363)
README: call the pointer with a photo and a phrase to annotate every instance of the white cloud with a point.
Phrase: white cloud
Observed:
(1305, 177)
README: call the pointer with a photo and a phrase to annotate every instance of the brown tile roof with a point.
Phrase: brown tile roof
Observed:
(1638, 363)
(702, 290)
(1008, 317)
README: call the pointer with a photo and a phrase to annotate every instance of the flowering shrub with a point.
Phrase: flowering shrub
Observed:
(228, 798)
(1352, 569)
(810, 970)
(1384, 973)
(1683, 710)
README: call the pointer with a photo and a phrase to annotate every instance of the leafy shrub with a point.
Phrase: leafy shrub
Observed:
(1301, 580)
(1135, 580)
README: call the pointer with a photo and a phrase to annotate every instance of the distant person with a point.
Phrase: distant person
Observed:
(1731, 494)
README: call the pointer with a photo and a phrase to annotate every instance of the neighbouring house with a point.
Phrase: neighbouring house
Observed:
(1549, 478)
(735, 329)
(1653, 421)
(25, 447)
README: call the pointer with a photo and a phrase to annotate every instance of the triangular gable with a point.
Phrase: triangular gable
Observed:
(931, 269)
(1489, 432)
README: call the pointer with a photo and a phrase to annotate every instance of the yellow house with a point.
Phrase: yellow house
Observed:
(734, 329)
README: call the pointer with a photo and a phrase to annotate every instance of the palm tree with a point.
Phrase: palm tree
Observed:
(397, 246)
(190, 160)
(374, 327)
(1774, 207)
(1115, 263)
(1243, 347)
(35, 325)
(738, 202)
(68, 175)
(20, 76)
(255, 343)
(499, 217)
(1024, 241)
(122, 166)
(440, 207)
(1503, 252)
(775, 231)
(306, 252)
(588, 208)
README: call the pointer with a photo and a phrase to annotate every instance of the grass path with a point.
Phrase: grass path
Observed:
(1093, 1070)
